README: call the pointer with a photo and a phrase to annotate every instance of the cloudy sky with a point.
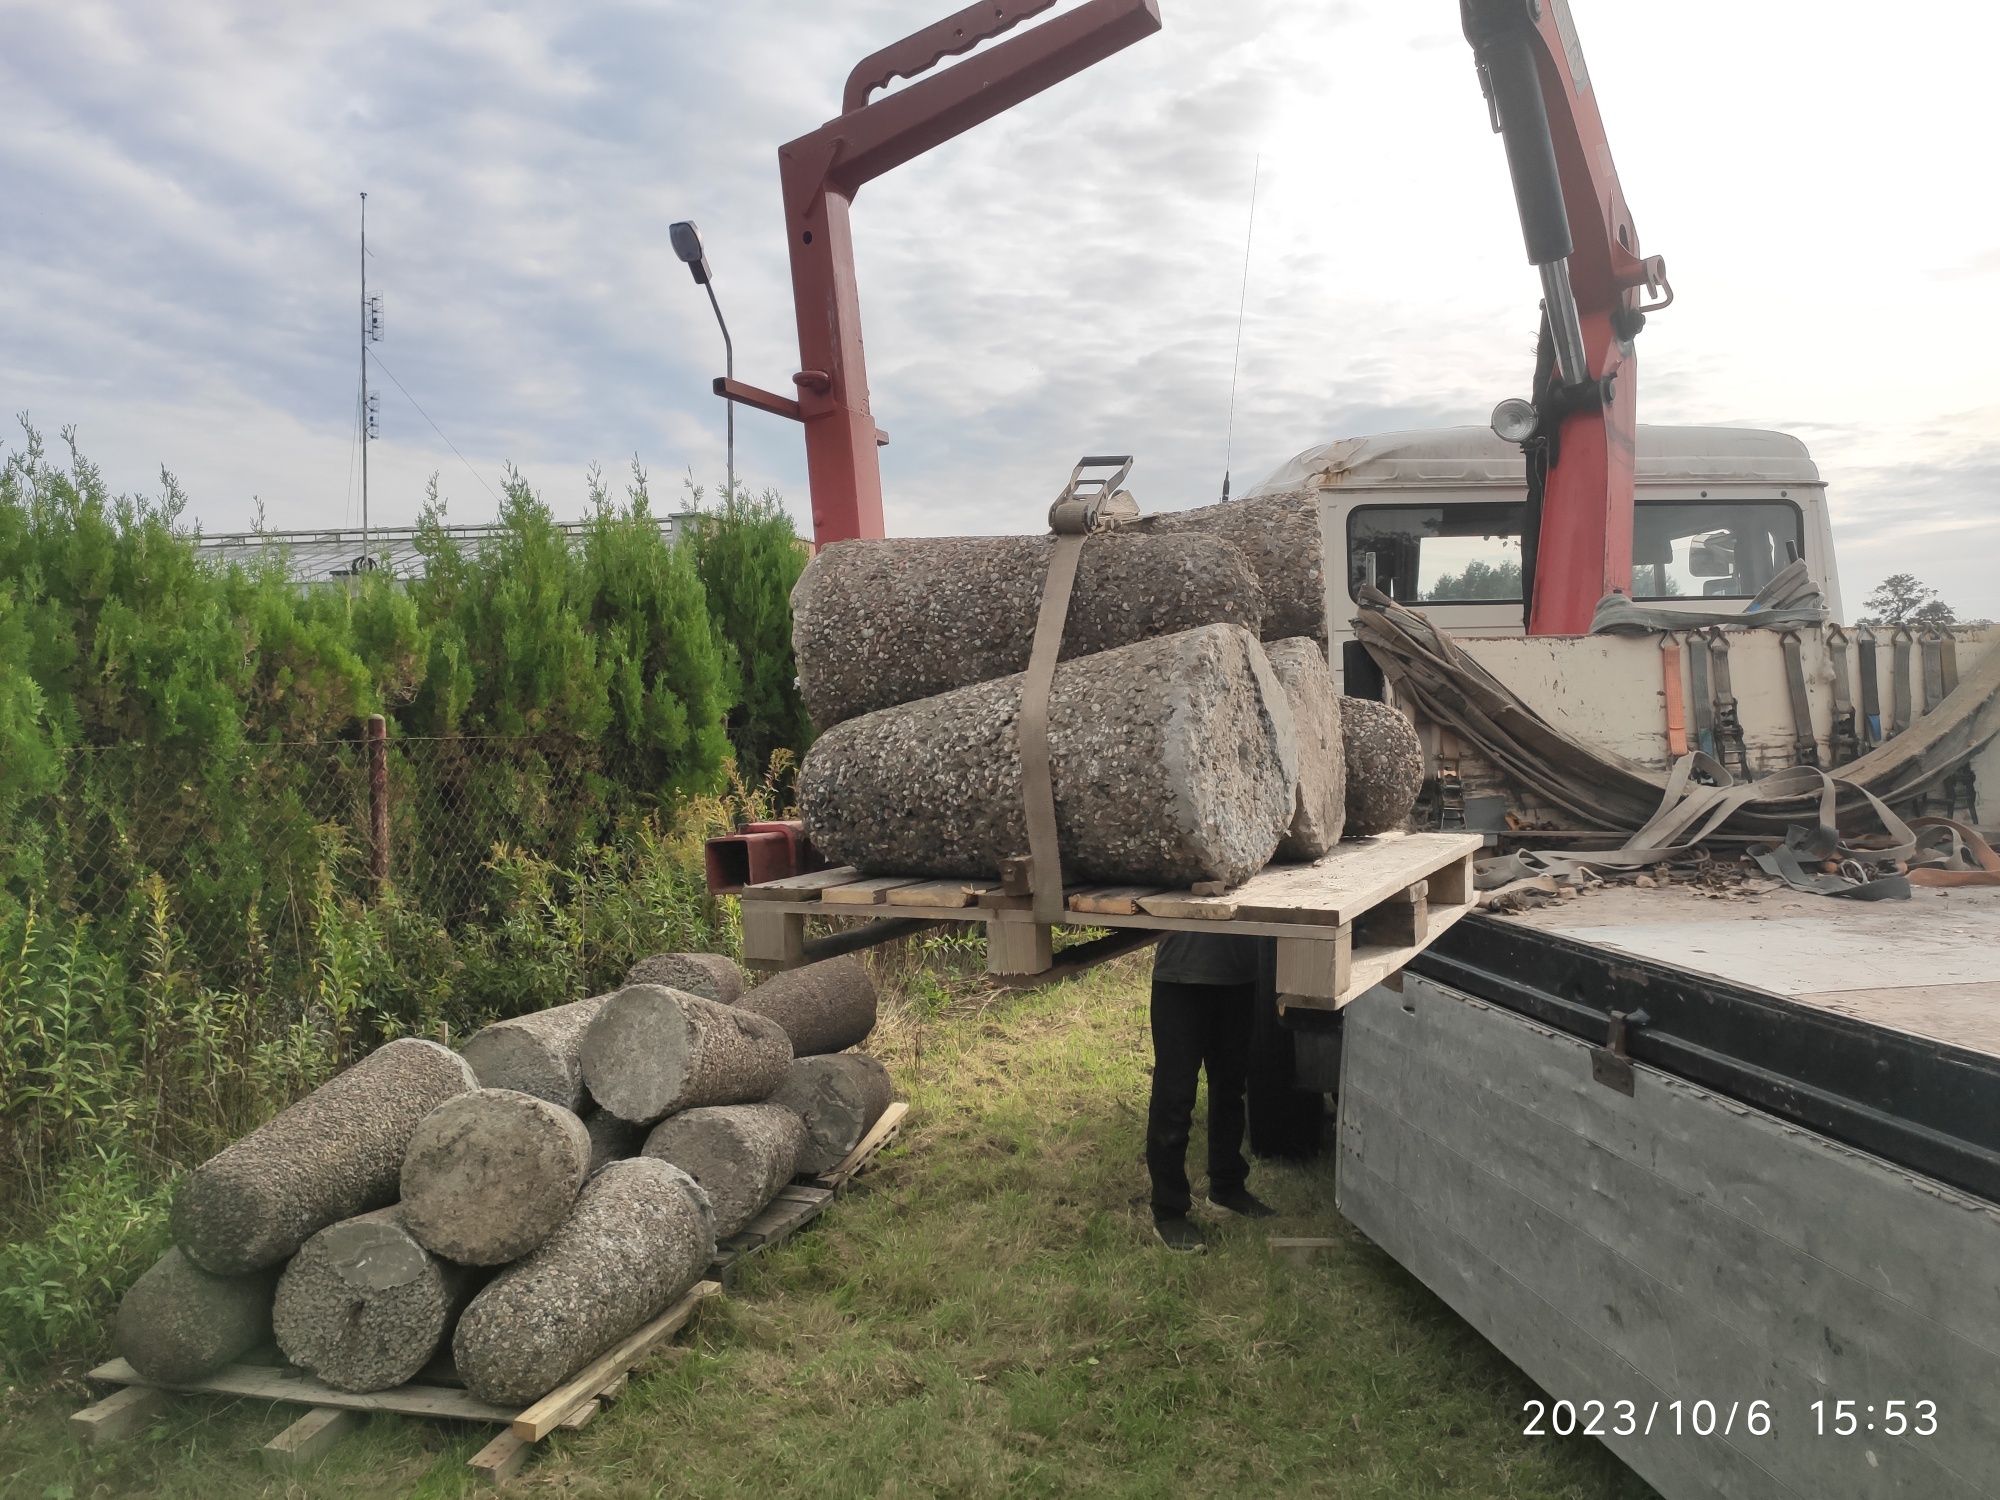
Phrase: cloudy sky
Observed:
(178, 260)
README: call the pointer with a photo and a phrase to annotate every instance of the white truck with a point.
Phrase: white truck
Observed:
(1719, 1171)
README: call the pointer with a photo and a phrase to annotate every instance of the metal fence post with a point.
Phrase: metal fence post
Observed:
(378, 802)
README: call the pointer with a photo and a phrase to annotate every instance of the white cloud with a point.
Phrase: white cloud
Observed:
(177, 262)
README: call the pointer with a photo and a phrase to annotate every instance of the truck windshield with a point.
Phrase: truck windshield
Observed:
(1471, 553)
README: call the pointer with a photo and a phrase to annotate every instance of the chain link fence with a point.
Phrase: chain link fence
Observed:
(236, 853)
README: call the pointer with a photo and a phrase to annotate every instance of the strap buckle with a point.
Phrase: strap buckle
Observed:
(1611, 1064)
(1093, 501)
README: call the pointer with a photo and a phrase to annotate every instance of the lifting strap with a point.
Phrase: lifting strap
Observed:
(1670, 682)
(1932, 646)
(1087, 504)
(1899, 680)
(1805, 744)
(1728, 728)
(1871, 689)
(1968, 858)
(1948, 655)
(1704, 706)
(1845, 742)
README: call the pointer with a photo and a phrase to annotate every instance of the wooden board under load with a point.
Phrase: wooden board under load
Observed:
(1342, 923)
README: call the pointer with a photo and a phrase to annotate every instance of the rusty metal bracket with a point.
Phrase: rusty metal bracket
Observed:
(1611, 1064)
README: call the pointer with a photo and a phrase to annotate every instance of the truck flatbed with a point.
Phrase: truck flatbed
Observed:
(1928, 967)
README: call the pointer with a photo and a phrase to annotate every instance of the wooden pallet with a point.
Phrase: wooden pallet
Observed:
(331, 1414)
(1342, 924)
(438, 1394)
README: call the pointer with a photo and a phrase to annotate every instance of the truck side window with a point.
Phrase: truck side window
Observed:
(1713, 549)
(1437, 554)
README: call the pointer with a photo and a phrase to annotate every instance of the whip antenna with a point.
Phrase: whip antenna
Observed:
(1242, 301)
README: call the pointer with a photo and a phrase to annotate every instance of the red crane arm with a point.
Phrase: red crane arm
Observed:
(822, 171)
(1579, 234)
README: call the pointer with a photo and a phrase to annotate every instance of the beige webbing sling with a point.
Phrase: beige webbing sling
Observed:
(1087, 504)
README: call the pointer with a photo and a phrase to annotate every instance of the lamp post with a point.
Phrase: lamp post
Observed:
(687, 245)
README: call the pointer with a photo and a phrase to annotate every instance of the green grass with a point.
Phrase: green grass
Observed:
(985, 1315)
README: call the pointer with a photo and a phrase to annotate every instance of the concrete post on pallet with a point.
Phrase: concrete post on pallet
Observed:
(378, 802)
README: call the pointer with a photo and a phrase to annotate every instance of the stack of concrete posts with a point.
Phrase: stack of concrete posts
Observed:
(1194, 730)
(527, 1202)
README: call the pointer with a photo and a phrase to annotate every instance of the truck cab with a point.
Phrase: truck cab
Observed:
(1434, 519)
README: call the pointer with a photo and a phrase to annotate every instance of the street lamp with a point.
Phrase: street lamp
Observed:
(687, 245)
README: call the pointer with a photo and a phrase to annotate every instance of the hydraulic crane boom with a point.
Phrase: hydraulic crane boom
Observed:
(1578, 436)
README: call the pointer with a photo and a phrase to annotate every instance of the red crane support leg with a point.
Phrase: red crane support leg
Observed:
(841, 465)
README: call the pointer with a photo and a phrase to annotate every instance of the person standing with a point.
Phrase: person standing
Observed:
(1203, 1006)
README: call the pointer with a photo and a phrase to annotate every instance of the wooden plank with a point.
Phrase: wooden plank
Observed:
(1332, 891)
(547, 1414)
(872, 1145)
(794, 1207)
(1452, 884)
(270, 1384)
(309, 1437)
(1313, 974)
(1367, 966)
(1015, 945)
(870, 892)
(774, 936)
(1113, 900)
(941, 894)
(117, 1416)
(501, 1459)
(1080, 958)
(798, 887)
(1300, 1250)
(1189, 906)
(1620, 1222)
(1399, 921)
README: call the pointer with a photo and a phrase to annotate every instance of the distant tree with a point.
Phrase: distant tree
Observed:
(1480, 580)
(1902, 599)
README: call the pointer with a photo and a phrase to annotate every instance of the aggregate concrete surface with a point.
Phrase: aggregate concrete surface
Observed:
(641, 1233)
(1173, 761)
(1321, 810)
(1279, 536)
(839, 1097)
(490, 1174)
(535, 1053)
(709, 975)
(336, 1153)
(1385, 766)
(741, 1154)
(654, 1050)
(363, 1306)
(179, 1322)
(877, 623)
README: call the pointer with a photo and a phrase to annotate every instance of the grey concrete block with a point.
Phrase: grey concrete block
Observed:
(839, 1097)
(641, 1234)
(653, 1051)
(1321, 812)
(490, 1174)
(709, 975)
(178, 1322)
(877, 623)
(824, 1007)
(363, 1306)
(741, 1154)
(1173, 761)
(336, 1153)
(536, 1053)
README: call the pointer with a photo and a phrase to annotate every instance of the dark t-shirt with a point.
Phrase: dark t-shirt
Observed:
(1199, 958)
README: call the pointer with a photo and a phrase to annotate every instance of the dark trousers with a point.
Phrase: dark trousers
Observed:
(1197, 1026)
